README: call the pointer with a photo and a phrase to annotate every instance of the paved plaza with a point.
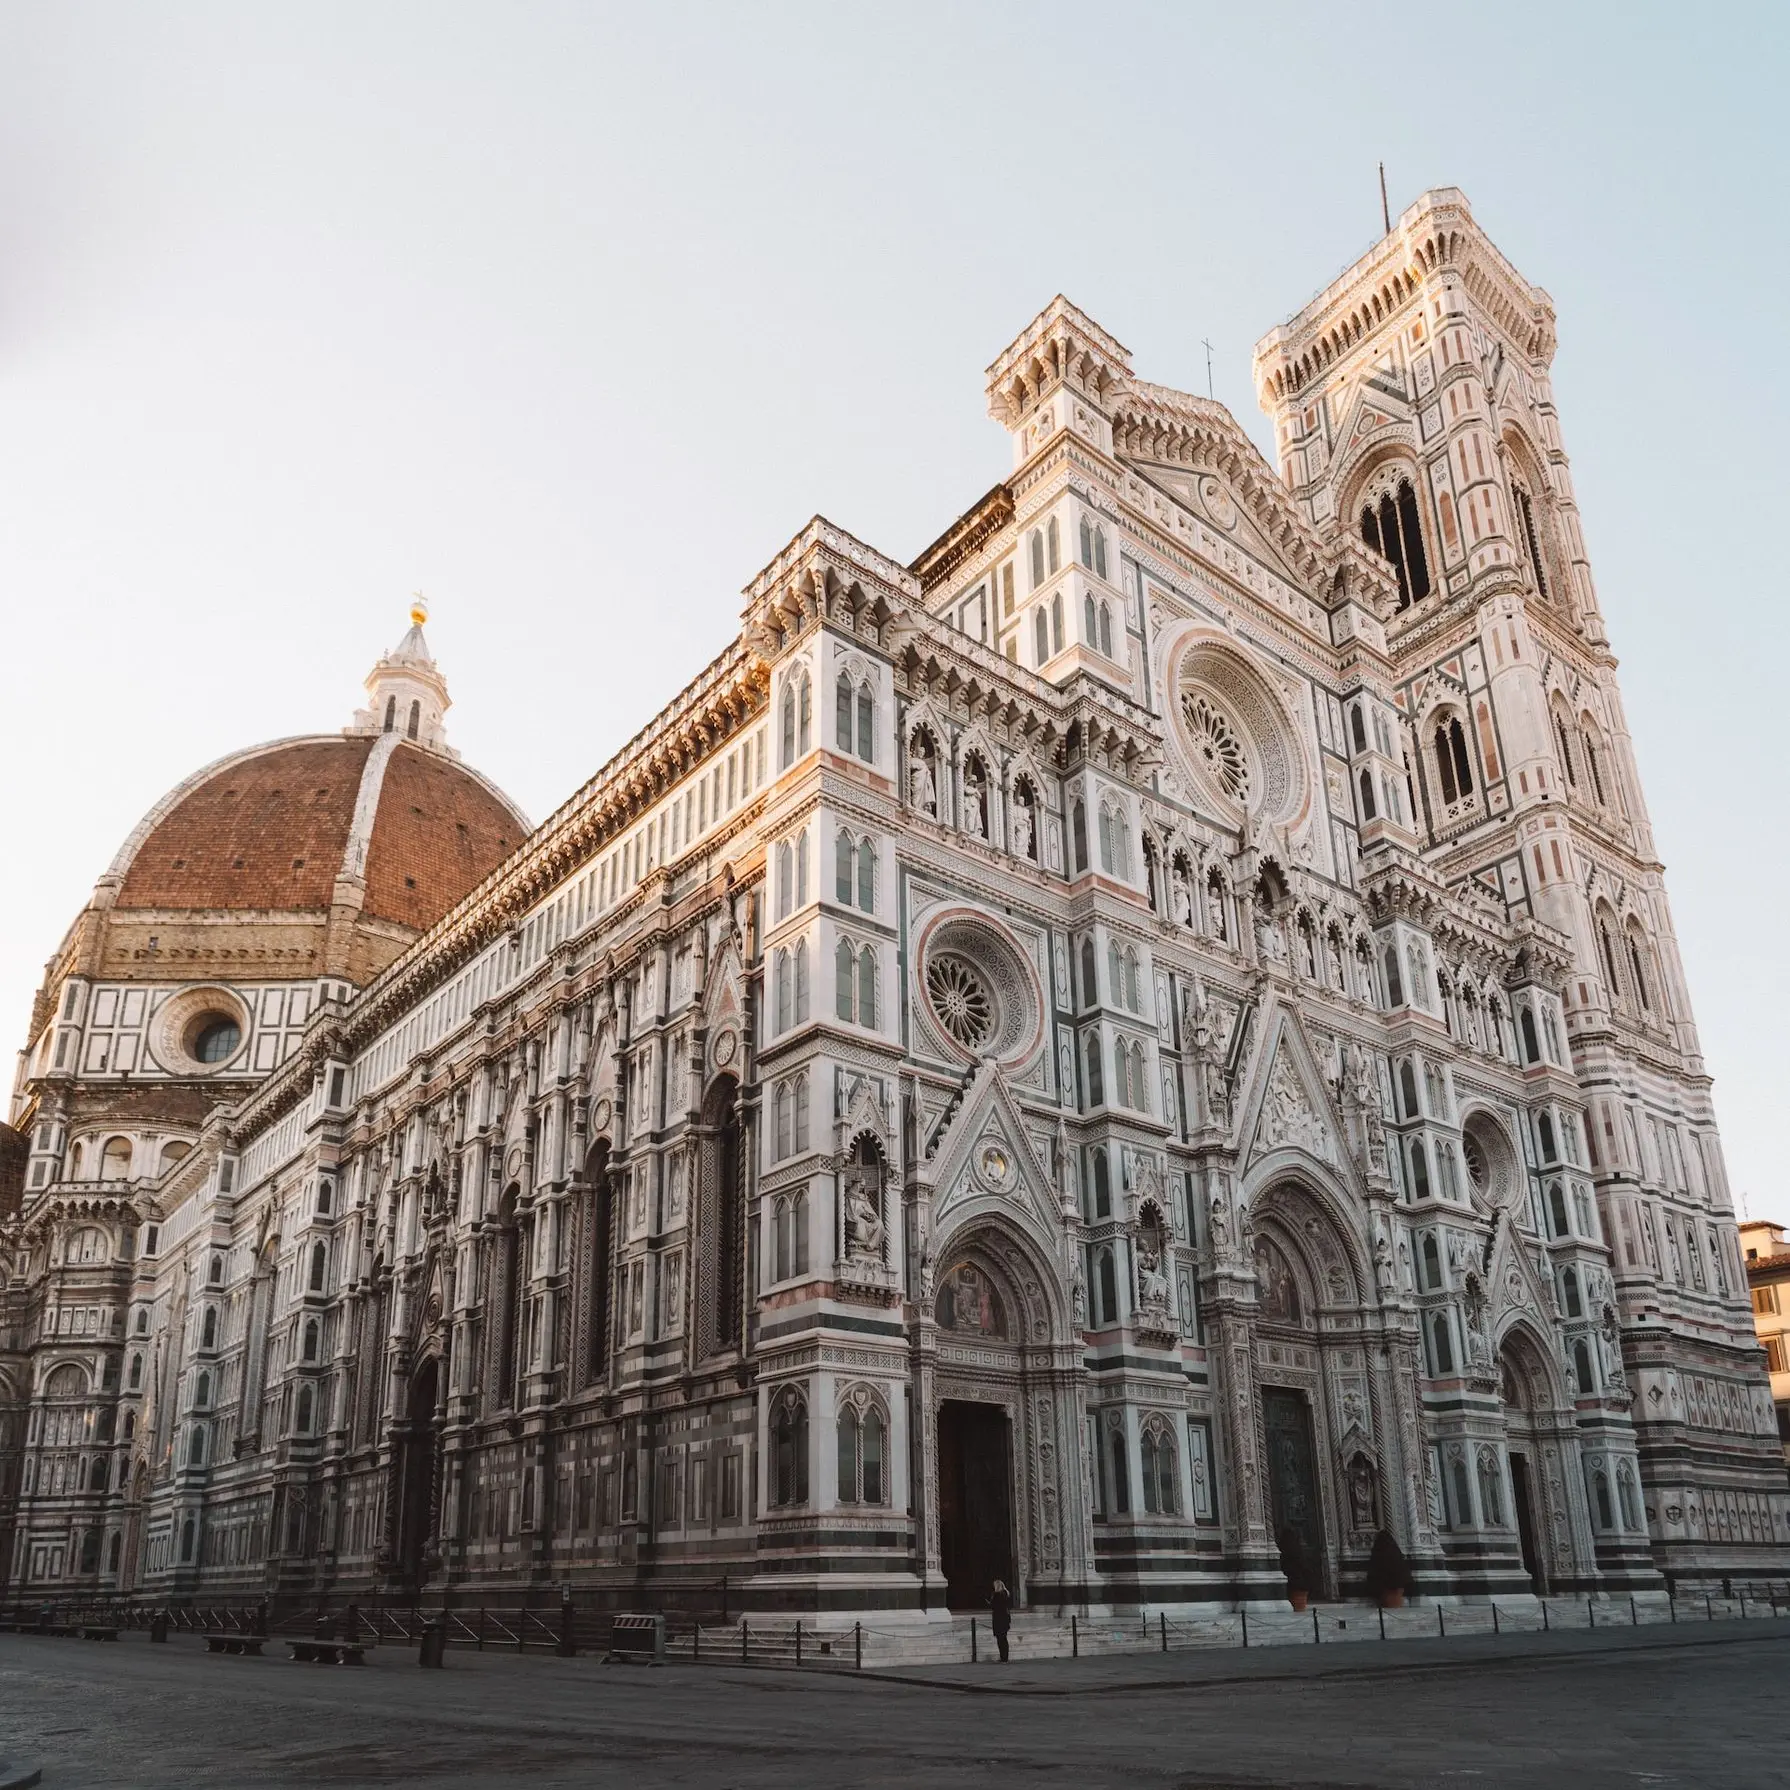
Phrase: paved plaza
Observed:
(1700, 1707)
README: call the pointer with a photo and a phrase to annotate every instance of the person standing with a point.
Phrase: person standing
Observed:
(1000, 1604)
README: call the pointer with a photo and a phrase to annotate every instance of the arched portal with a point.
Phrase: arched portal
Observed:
(1004, 1492)
(1533, 1426)
(1325, 1486)
(416, 1468)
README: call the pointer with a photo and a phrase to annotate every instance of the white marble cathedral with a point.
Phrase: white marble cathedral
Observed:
(1156, 1025)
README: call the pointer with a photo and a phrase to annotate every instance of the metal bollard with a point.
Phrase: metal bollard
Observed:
(1634, 1615)
(1544, 1615)
(1590, 1612)
(1441, 1623)
(1245, 1610)
(745, 1639)
(972, 1640)
(858, 1645)
(1162, 1624)
(1074, 1640)
(1495, 1628)
(1382, 1622)
(1316, 1633)
(798, 1640)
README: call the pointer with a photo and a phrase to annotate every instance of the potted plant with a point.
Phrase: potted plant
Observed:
(1388, 1572)
(1296, 1567)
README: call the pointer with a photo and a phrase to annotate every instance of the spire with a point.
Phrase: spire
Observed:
(406, 693)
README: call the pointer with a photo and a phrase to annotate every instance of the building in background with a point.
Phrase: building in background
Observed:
(1766, 1250)
(1147, 1035)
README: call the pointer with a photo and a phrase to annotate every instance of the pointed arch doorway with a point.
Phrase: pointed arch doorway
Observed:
(417, 1470)
(975, 1468)
(1004, 1395)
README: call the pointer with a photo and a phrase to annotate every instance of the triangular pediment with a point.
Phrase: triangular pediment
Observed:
(988, 1163)
(1288, 1105)
(1515, 1287)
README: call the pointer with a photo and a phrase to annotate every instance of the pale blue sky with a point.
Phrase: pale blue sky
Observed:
(571, 315)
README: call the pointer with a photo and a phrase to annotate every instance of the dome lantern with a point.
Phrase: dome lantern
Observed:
(406, 693)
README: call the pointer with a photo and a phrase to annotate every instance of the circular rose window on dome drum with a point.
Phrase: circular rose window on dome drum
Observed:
(213, 1038)
(199, 1031)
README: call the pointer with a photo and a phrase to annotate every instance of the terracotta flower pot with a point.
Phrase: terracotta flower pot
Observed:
(1298, 1599)
(1393, 1599)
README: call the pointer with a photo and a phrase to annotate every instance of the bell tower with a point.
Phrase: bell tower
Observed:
(1413, 409)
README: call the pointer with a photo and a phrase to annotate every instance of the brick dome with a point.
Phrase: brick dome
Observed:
(276, 829)
(301, 858)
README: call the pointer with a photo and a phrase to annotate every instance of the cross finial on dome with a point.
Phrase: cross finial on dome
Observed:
(419, 608)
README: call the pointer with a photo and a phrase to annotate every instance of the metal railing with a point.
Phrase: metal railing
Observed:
(581, 1624)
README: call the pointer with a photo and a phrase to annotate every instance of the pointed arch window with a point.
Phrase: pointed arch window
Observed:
(1035, 547)
(844, 863)
(1090, 627)
(801, 981)
(1441, 1344)
(789, 1449)
(1053, 552)
(1106, 629)
(1420, 1170)
(1106, 1282)
(391, 713)
(1392, 529)
(867, 876)
(783, 974)
(416, 715)
(1563, 735)
(1607, 944)
(1091, 1061)
(1160, 1474)
(1593, 764)
(1367, 797)
(861, 1452)
(798, 717)
(789, 1110)
(1526, 510)
(1452, 761)
(1056, 621)
(1040, 634)
(1090, 986)
(845, 978)
(1640, 975)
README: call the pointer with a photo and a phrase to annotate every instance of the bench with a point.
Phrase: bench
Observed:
(234, 1643)
(328, 1653)
(98, 1631)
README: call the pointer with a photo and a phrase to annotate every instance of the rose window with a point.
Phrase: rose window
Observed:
(1479, 1171)
(960, 998)
(1215, 741)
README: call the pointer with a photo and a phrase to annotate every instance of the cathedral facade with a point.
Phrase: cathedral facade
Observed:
(1148, 1035)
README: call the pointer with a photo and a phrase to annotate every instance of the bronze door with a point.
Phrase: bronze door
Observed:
(975, 1502)
(1292, 1475)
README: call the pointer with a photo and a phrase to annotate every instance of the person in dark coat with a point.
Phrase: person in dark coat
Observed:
(1000, 1604)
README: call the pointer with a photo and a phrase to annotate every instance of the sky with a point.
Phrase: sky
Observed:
(569, 316)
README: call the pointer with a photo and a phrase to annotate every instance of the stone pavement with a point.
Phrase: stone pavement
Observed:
(1702, 1706)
